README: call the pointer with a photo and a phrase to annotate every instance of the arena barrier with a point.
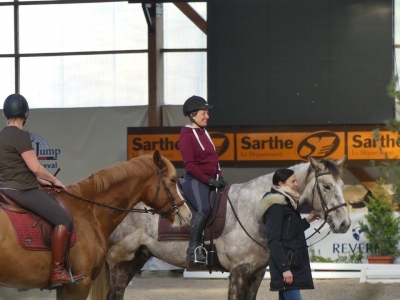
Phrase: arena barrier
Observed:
(372, 273)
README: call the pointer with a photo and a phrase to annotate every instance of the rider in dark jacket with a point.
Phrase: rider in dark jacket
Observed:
(289, 263)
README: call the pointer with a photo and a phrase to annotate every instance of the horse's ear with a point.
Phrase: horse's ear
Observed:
(315, 164)
(157, 159)
(340, 162)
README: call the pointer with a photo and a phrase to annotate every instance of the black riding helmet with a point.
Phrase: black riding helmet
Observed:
(194, 103)
(16, 106)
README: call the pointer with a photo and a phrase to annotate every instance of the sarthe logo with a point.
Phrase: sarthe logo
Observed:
(318, 145)
(221, 142)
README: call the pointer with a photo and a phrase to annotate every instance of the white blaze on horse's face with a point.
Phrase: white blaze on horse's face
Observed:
(184, 218)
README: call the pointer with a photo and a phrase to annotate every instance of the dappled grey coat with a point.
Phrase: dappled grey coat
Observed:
(286, 241)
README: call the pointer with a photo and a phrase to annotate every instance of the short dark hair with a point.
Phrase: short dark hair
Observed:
(281, 175)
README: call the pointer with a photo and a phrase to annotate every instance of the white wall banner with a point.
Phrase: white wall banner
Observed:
(81, 141)
(335, 245)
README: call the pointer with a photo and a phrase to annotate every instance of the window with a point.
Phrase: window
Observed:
(95, 54)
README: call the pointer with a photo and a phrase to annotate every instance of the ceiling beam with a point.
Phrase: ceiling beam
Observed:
(366, 180)
(155, 65)
(193, 16)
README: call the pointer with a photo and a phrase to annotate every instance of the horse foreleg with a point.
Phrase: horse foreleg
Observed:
(254, 283)
(73, 291)
(122, 273)
(119, 279)
(238, 279)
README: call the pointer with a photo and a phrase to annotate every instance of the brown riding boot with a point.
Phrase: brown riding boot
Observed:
(59, 242)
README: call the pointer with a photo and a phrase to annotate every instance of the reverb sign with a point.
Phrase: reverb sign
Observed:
(243, 145)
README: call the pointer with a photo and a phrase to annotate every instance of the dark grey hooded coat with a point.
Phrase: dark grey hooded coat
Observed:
(286, 241)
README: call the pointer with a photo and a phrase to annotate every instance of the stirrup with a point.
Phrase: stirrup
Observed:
(72, 280)
(199, 248)
(71, 276)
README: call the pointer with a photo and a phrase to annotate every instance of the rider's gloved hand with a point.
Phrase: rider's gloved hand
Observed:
(223, 181)
(214, 183)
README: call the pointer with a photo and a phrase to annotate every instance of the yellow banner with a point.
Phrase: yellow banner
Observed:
(362, 145)
(254, 146)
(289, 146)
(168, 145)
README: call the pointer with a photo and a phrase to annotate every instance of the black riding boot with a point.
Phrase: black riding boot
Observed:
(195, 239)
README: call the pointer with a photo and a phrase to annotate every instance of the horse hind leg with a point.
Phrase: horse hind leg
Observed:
(238, 279)
(122, 273)
(254, 283)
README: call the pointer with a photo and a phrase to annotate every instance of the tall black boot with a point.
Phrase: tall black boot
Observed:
(195, 240)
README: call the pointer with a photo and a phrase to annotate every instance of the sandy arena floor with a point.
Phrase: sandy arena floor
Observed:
(178, 288)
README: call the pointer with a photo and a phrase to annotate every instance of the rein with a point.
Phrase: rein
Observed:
(145, 210)
(172, 211)
(327, 216)
(241, 225)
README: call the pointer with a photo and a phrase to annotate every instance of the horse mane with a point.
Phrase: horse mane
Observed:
(329, 164)
(137, 167)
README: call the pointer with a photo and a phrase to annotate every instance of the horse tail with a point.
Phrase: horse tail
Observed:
(101, 284)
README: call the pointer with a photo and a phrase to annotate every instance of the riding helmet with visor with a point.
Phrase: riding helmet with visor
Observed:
(16, 106)
(193, 104)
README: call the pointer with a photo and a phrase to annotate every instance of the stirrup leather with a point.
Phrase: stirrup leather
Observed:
(72, 278)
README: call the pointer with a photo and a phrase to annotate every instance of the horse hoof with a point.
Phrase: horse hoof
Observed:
(55, 285)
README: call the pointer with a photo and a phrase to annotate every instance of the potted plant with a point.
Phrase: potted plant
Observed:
(382, 226)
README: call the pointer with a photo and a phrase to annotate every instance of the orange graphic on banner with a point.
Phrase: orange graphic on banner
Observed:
(289, 146)
(168, 145)
(362, 145)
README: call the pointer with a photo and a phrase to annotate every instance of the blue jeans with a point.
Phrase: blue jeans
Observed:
(290, 295)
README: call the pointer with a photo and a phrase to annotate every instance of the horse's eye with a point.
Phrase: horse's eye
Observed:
(173, 180)
(327, 187)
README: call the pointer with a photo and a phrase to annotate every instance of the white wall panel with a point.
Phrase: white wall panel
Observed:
(87, 139)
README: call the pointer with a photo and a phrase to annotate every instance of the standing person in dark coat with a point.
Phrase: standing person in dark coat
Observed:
(289, 263)
(201, 163)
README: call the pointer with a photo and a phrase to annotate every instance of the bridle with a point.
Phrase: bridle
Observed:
(174, 210)
(327, 211)
(174, 207)
(327, 216)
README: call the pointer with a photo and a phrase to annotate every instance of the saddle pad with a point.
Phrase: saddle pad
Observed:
(28, 233)
(168, 233)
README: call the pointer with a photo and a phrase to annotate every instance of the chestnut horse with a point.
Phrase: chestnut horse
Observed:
(98, 204)
(242, 247)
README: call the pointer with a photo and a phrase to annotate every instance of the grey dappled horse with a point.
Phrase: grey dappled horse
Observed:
(135, 239)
